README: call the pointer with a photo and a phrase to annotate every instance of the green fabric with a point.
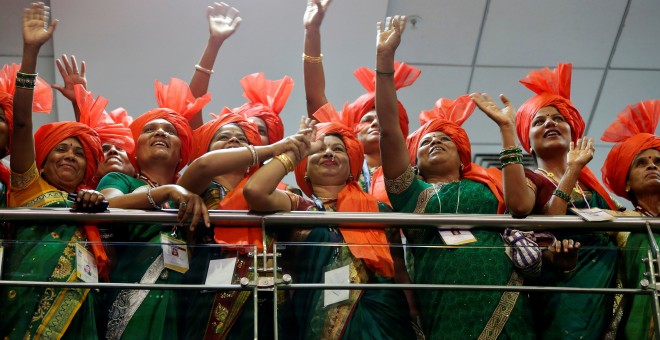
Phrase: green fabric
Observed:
(636, 322)
(156, 317)
(33, 257)
(3, 195)
(579, 316)
(460, 314)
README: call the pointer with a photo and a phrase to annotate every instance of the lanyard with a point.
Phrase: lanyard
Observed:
(366, 175)
(576, 183)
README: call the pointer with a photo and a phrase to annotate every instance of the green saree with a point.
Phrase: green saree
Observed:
(461, 314)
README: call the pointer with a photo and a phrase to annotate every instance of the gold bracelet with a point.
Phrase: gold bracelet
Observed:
(286, 161)
(312, 60)
(203, 69)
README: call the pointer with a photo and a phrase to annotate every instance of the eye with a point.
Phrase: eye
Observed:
(445, 139)
(223, 138)
(243, 140)
(119, 149)
(148, 129)
(558, 118)
(424, 142)
(171, 131)
(80, 153)
(537, 122)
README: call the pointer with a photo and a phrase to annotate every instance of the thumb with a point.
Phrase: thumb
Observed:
(58, 87)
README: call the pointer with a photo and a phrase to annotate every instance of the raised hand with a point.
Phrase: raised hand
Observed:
(71, 76)
(223, 21)
(315, 13)
(37, 27)
(389, 35)
(580, 153)
(505, 116)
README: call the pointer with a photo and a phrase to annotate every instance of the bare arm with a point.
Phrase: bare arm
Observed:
(313, 71)
(396, 160)
(223, 22)
(35, 34)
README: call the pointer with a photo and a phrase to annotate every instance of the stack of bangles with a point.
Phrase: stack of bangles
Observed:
(255, 155)
(286, 161)
(312, 60)
(511, 155)
(26, 80)
(566, 197)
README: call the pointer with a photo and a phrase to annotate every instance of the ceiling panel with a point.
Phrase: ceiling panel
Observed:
(535, 32)
(638, 46)
(445, 31)
(494, 81)
(623, 88)
(11, 42)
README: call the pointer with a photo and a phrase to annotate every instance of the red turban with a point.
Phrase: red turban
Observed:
(450, 128)
(634, 132)
(552, 88)
(93, 115)
(458, 110)
(404, 76)
(49, 135)
(178, 97)
(204, 134)
(42, 98)
(351, 198)
(266, 100)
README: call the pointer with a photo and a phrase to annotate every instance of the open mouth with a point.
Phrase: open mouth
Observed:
(436, 148)
(552, 133)
(113, 159)
(329, 163)
(160, 143)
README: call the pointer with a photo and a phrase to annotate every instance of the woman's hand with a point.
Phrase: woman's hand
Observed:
(71, 76)
(36, 28)
(89, 198)
(315, 13)
(580, 153)
(191, 206)
(223, 21)
(389, 36)
(503, 117)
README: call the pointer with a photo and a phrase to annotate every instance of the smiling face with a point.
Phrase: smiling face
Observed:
(329, 166)
(549, 131)
(4, 134)
(158, 141)
(369, 132)
(263, 129)
(64, 167)
(116, 160)
(227, 137)
(644, 173)
(437, 153)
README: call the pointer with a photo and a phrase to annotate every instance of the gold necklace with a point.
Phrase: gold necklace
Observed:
(553, 177)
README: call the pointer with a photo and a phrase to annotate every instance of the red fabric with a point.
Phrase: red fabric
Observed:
(42, 98)
(245, 233)
(204, 134)
(591, 181)
(180, 124)
(377, 186)
(552, 88)
(352, 199)
(121, 116)
(5, 179)
(404, 76)
(178, 97)
(634, 131)
(457, 111)
(266, 100)
(451, 129)
(93, 115)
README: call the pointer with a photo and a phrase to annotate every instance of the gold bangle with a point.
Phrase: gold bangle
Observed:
(203, 69)
(312, 60)
(286, 162)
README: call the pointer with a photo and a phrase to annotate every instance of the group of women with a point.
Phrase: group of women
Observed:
(237, 161)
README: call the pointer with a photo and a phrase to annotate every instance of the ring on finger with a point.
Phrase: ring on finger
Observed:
(183, 205)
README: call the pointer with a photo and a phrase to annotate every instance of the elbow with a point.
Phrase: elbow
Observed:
(518, 211)
(254, 197)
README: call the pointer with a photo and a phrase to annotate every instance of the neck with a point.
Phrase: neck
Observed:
(446, 178)
(159, 175)
(650, 202)
(230, 180)
(327, 191)
(373, 159)
(556, 165)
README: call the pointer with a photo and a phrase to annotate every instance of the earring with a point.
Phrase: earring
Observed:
(350, 178)
(306, 178)
(461, 167)
(415, 170)
(627, 189)
(531, 150)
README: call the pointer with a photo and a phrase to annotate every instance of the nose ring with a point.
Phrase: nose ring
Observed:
(333, 157)
(555, 123)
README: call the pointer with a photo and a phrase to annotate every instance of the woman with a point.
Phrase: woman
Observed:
(163, 146)
(449, 183)
(64, 162)
(631, 170)
(42, 100)
(550, 127)
(328, 175)
(361, 116)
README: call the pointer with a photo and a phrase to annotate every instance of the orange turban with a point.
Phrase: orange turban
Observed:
(178, 97)
(49, 135)
(204, 134)
(404, 76)
(451, 128)
(351, 198)
(42, 98)
(634, 132)
(552, 88)
(93, 115)
(266, 100)
(458, 110)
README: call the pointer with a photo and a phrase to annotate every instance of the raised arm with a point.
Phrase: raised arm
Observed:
(261, 191)
(580, 153)
(71, 75)
(518, 196)
(396, 160)
(312, 59)
(223, 22)
(37, 30)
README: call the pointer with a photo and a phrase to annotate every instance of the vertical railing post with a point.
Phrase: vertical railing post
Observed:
(653, 261)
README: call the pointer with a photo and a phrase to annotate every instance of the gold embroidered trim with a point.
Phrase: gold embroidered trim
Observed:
(21, 181)
(423, 200)
(46, 198)
(401, 183)
(503, 309)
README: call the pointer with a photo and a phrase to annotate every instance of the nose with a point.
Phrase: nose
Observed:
(374, 123)
(161, 132)
(549, 123)
(112, 150)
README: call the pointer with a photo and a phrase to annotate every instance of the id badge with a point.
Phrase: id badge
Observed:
(221, 271)
(2, 253)
(340, 275)
(593, 214)
(175, 254)
(86, 269)
(455, 237)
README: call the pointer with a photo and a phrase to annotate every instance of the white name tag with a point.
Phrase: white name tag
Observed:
(593, 214)
(2, 252)
(86, 265)
(336, 276)
(175, 254)
(220, 271)
(455, 237)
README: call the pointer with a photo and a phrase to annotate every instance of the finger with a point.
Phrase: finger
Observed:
(67, 66)
(402, 23)
(74, 64)
(577, 245)
(222, 9)
(53, 26)
(195, 212)
(571, 243)
(565, 245)
(82, 69)
(388, 23)
(58, 87)
(571, 146)
(237, 22)
(488, 98)
(379, 27)
(205, 215)
(60, 67)
(505, 100)
(232, 13)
